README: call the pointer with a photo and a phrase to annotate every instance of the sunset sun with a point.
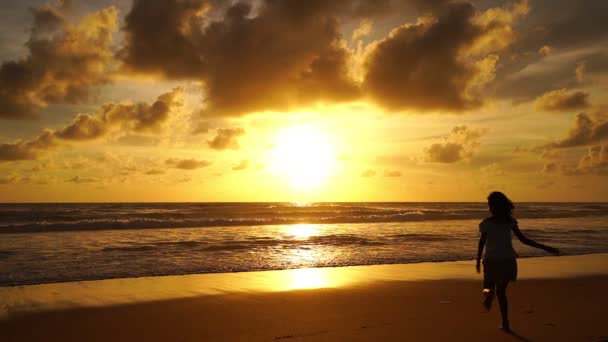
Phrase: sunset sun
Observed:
(304, 156)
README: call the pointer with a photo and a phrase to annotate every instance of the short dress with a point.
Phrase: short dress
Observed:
(499, 259)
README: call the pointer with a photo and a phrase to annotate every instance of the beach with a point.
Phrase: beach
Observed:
(555, 299)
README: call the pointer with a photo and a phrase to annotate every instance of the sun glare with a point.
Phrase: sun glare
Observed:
(303, 231)
(304, 156)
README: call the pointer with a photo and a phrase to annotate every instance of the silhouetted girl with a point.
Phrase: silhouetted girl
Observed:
(499, 264)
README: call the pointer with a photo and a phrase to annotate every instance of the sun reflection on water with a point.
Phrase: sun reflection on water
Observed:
(303, 230)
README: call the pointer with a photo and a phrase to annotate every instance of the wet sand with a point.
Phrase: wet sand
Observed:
(555, 299)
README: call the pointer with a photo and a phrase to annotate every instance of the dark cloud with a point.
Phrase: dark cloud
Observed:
(139, 117)
(64, 61)
(564, 23)
(458, 145)
(575, 31)
(562, 100)
(226, 138)
(161, 37)
(27, 150)
(441, 63)
(587, 130)
(287, 53)
(244, 164)
(187, 164)
(84, 127)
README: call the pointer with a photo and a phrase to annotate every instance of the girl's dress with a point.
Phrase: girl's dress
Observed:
(499, 260)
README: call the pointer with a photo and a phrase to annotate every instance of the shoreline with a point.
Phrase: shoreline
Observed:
(118, 291)
(283, 269)
(555, 298)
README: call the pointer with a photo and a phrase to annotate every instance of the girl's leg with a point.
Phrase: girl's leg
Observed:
(501, 293)
(488, 293)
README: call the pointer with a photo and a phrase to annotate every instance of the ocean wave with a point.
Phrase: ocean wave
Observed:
(335, 240)
(68, 217)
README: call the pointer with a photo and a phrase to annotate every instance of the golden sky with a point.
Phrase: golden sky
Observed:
(289, 100)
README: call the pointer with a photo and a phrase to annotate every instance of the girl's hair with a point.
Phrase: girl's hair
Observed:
(500, 205)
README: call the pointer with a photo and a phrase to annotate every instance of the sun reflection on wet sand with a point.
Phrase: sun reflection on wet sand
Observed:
(309, 278)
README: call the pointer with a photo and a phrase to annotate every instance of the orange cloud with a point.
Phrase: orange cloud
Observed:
(64, 61)
(129, 117)
(226, 138)
(458, 145)
(586, 130)
(562, 100)
(440, 63)
(187, 164)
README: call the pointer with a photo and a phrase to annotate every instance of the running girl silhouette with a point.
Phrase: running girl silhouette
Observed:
(499, 259)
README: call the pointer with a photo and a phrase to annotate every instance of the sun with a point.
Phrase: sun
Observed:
(304, 155)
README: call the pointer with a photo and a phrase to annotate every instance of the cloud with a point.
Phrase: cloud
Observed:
(586, 130)
(242, 165)
(64, 61)
(595, 161)
(12, 179)
(445, 153)
(579, 72)
(546, 185)
(285, 53)
(129, 117)
(492, 170)
(442, 62)
(458, 145)
(83, 180)
(271, 55)
(226, 138)
(187, 164)
(575, 30)
(363, 30)
(154, 172)
(368, 173)
(550, 167)
(562, 100)
(151, 25)
(27, 150)
(395, 173)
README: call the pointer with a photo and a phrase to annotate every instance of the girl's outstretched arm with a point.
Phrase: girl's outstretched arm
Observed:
(482, 242)
(526, 241)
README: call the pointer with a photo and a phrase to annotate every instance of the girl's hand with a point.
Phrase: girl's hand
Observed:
(478, 267)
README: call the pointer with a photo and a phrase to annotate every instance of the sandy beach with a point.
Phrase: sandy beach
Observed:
(555, 299)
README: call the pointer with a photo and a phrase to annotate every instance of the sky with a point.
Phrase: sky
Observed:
(288, 100)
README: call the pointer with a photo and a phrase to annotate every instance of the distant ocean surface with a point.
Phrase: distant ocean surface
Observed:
(42, 243)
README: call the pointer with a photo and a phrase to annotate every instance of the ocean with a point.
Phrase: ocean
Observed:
(42, 243)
